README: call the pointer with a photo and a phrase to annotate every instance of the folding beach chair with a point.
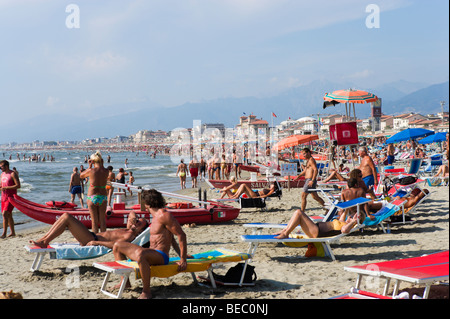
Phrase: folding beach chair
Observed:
(74, 251)
(323, 242)
(424, 270)
(205, 261)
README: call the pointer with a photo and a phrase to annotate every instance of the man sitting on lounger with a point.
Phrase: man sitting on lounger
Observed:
(135, 226)
(164, 227)
(343, 224)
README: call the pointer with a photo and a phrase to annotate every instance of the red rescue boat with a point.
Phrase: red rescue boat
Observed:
(186, 214)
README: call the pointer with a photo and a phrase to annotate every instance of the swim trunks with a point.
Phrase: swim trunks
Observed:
(76, 189)
(306, 186)
(95, 236)
(194, 171)
(97, 199)
(390, 159)
(164, 255)
(369, 181)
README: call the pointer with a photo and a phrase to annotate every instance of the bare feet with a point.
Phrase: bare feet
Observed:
(39, 243)
(145, 295)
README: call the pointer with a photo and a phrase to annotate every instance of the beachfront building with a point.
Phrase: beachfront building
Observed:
(251, 123)
(401, 121)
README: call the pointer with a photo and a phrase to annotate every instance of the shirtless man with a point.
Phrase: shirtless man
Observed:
(9, 184)
(164, 227)
(368, 170)
(75, 186)
(86, 238)
(354, 191)
(310, 172)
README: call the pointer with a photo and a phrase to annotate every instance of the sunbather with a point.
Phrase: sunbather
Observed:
(443, 171)
(346, 221)
(86, 238)
(415, 196)
(245, 189)
(164, 227)
(231, 189)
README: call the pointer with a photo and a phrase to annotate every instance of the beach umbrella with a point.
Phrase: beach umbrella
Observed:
(294, 140)
(350, 96)
(408, 134)
(435, 138)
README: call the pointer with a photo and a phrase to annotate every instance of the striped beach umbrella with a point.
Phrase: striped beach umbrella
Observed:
(350, 96)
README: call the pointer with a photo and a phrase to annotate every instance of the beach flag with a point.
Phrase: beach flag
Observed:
(273, 114)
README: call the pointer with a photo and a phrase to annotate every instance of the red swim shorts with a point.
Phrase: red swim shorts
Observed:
(7, 206)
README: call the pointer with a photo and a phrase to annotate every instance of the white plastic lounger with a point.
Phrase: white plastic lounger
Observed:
(74, 251)
(255, 240)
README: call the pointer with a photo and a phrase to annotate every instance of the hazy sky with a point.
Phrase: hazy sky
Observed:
(175, 51)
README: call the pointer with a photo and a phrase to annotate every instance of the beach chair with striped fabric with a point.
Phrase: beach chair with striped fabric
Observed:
(74, 251)
(205, 261)
(424, 270)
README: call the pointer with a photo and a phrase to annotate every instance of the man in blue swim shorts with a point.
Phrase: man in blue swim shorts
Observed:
(369, 172)
(390, 154)
(164, 228)
(75, 186)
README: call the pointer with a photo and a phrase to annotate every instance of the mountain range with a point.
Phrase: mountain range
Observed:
(307, 100)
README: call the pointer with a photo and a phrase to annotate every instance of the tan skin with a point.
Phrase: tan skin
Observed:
(75, 180)
(367, 168)
(7, 215)
(82, 234)
(245, 189)
(164, 228)
(310, 172)
(98, 176)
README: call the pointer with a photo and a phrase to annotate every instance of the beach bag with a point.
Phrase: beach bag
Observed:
(407, 180)
(234, 274)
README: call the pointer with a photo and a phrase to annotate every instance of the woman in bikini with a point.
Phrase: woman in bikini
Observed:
(97, 198)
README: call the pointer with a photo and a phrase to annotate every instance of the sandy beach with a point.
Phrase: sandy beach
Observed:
(283, 272)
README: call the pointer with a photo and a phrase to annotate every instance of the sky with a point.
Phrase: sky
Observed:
(75, 56)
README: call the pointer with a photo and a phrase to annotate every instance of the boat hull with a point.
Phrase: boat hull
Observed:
(212, 213)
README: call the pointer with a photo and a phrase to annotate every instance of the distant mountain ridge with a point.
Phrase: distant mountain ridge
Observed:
(397, 97)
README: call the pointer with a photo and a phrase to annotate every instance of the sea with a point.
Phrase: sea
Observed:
(43, 181)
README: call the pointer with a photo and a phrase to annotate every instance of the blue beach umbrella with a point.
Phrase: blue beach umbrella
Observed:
(408, 134)
(438, 137)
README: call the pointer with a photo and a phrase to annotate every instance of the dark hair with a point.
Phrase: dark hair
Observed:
(110, 168)
(352, 182)
(153, 198)
(5, 162)
(307, 150)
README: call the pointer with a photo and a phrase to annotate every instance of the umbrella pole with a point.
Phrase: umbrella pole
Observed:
(354, 112)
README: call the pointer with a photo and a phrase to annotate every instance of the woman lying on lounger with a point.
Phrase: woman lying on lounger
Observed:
(245, 189)
(343, 224)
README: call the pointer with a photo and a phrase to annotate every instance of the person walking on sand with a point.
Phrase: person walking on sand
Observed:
(109, 187)
(97, 198)
(310, 172)
(182, 172)
(193, 170)
(75, 186)
(10, 184)
(164, 228)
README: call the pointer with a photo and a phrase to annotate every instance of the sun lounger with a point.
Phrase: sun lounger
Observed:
(74, 251)
(201, 262)
(424, 270)
(323, 242)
